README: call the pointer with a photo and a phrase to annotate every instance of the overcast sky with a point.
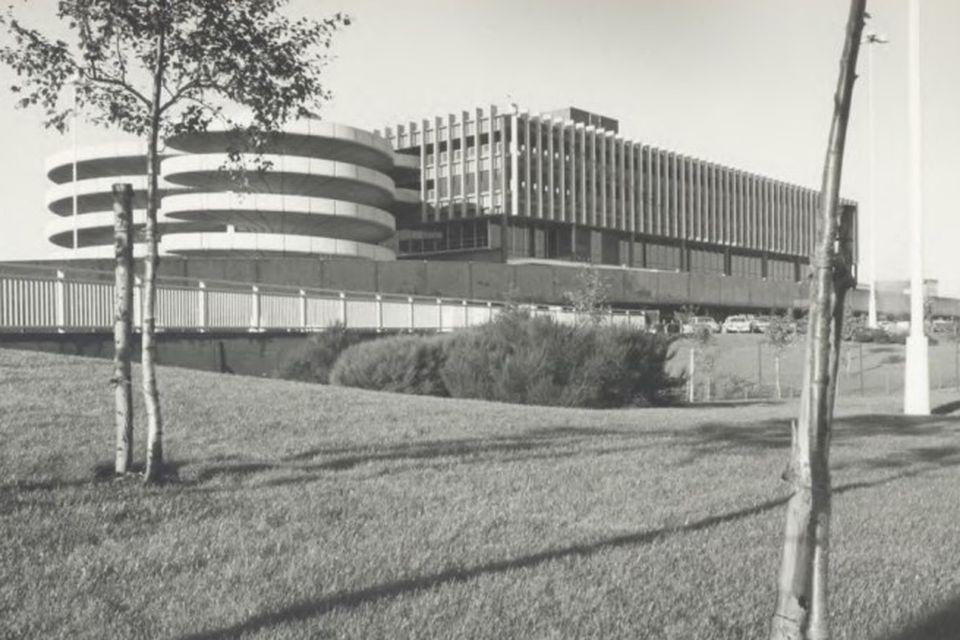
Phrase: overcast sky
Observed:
(748, 83)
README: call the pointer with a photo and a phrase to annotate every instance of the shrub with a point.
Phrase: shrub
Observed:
(403, 364)
(313, 362)
(516, 358)
(528, 360)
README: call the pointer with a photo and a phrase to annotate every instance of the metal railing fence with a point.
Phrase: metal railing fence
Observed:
(33, 299)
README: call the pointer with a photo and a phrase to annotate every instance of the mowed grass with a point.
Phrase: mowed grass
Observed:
(750, 358)
(301, 511)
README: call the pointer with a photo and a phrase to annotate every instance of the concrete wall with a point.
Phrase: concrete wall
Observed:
(541, 283)
(245, 354)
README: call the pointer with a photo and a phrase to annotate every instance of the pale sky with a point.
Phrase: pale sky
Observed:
(748, 83)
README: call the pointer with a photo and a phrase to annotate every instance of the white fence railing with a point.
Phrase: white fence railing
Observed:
(36, 301)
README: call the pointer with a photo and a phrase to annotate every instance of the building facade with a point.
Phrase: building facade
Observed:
(481, 185)
(565, 185)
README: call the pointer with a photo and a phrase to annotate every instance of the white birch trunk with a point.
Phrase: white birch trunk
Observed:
(151, 395)
(123, 325)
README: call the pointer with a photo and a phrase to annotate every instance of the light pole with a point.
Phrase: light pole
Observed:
(916, 388)
(870, 40)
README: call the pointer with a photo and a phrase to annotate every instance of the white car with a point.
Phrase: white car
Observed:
(693, 324)
(738, 324)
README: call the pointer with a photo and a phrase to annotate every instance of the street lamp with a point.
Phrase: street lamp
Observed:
(870, 40)
(916, 388)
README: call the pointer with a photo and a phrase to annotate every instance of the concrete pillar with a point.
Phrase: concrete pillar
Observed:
(464, 194)
(255, 317)
(603, 181)
(538, 131)
(202, 305)
(591, 194)
(528, 160)
(551, 212)
(631, 193)
(60, 303)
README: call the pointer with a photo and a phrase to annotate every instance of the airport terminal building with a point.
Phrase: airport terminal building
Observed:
(565, 185)
(483, 185)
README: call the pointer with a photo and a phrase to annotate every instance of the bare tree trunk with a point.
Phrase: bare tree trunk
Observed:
(123, 324)
(151, 395)
(801, 611)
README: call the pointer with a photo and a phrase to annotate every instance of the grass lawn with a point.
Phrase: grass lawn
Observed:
(749, 358)
(303, 511)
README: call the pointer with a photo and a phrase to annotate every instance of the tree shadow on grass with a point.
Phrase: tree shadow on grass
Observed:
(941, 623)
(309, 609)
(946, 408)
(549, 443)
(776, 433)
(101, 473)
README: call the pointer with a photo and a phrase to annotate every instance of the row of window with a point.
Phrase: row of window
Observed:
(471, 153)
(464, 185)
(455, 236)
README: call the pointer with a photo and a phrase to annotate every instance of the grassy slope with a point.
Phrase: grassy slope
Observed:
(304, 511)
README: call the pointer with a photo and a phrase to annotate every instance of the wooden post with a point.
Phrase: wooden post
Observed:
(759, 364)
(343, 309)
(956, 361)
(378, 299)
(862, 389)
(413, 313)
(123, 325)
(691, 387)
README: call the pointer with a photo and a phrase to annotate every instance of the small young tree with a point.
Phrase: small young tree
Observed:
(685, 313)
(801, 609)
(780, 335)
(705, 357)
(590, 299)
(155, 68)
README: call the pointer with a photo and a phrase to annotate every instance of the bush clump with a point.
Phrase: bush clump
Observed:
(520, 359)
(516, 358)
(314, 361)
(402, 364)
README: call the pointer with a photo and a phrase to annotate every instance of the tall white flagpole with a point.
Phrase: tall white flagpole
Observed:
(916, 389)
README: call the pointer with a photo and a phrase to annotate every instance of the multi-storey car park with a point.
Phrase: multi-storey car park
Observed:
(482, 185)
(327, 189)
(565, 185)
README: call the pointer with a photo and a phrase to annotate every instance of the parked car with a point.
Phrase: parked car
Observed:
(738, 324)
(762, 323)
(696, 322)
(946, 326)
